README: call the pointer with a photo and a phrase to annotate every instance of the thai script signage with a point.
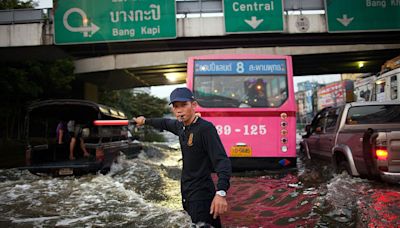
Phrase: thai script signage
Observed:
(254, 67)
(88, 21)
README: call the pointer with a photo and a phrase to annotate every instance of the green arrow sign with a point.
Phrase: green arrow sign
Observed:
(362, 15)
(89, 21)
(243, 16)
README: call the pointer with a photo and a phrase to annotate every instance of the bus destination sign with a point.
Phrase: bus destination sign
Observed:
(253, 67)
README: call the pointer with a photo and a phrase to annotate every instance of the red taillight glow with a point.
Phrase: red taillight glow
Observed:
(381, 153)
(99, 154)
(111, 122)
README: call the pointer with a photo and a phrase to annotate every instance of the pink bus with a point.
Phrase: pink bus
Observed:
(250, 100)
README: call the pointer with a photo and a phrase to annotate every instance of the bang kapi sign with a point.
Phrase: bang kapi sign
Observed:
(89, 21)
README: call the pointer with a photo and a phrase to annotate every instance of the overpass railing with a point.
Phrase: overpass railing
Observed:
(183, 7)
(19, 16)
(215, 6)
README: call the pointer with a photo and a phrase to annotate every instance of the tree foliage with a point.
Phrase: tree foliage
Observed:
(134, 104)
(22, 83)
(36, 80)
(137, 105)
(17, 4)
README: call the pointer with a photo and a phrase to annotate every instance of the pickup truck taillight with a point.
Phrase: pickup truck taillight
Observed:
(99, 154)
(381, 153)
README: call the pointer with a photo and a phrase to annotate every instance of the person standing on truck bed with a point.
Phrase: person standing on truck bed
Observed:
(62, 133)
(202, 151)
(75, 132)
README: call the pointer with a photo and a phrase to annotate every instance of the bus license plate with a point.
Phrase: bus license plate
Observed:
(65, 171)
(240, 151)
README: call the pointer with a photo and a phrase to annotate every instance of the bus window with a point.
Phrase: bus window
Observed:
(393, 87)
(380, 91)
(363, 93)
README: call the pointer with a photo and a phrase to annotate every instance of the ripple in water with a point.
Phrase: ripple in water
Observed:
(137, 193)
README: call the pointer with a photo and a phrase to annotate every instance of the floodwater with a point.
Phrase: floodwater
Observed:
(145, 192)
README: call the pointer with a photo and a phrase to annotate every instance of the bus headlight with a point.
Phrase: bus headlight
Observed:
(284, 149)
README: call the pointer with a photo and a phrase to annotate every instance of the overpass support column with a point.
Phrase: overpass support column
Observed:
(90, 92)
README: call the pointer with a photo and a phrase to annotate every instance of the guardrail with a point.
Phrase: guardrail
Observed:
(17, 16)
(215, 6)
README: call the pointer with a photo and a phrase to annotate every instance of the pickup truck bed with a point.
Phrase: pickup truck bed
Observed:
(362, 138)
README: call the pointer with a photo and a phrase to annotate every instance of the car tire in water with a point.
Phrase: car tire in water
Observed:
(343, 166)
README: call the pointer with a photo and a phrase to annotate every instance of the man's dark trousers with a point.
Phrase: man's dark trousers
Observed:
(199, 211)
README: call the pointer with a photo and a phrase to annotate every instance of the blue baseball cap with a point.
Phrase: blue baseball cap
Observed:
(181, 94)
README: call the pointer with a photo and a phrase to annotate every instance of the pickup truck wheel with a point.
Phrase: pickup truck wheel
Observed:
(343, 166)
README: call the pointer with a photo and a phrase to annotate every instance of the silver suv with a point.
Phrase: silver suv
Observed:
(361, 138)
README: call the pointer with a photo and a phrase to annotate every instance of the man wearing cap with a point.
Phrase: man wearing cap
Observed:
(202, 152)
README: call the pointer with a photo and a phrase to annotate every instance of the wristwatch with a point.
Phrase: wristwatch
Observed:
(221, 193)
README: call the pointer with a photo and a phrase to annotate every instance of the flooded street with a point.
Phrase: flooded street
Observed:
(145, 192)
(136, 193)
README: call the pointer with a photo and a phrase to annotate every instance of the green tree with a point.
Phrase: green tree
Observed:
(23, 83)
(136, 105)
(17, 4)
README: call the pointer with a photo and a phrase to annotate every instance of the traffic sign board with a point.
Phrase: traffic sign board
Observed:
(88, 21)
(243, 16)
(362, 15)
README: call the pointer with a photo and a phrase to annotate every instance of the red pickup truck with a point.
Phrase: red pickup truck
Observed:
(362, 138)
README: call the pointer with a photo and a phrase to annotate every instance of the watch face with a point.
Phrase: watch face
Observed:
(221, 193)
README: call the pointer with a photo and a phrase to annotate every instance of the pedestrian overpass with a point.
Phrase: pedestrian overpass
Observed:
(201, 28)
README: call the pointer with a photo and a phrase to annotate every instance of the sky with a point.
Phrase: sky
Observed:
(45, 4)
(323, 79)
(164, 91)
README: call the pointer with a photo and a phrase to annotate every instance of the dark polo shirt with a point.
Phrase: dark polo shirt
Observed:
(202, 152)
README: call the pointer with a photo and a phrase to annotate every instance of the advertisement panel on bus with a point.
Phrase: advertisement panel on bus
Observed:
(250, 100)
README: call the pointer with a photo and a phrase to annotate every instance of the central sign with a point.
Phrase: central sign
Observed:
(89, 21)
(243, 16)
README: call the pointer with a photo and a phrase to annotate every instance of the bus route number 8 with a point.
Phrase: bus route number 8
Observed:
(240, 67)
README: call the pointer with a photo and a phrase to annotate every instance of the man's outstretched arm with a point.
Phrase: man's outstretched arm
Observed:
(159, 123)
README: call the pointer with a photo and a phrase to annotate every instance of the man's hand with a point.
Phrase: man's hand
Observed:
(218, 206)
(139, 120)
